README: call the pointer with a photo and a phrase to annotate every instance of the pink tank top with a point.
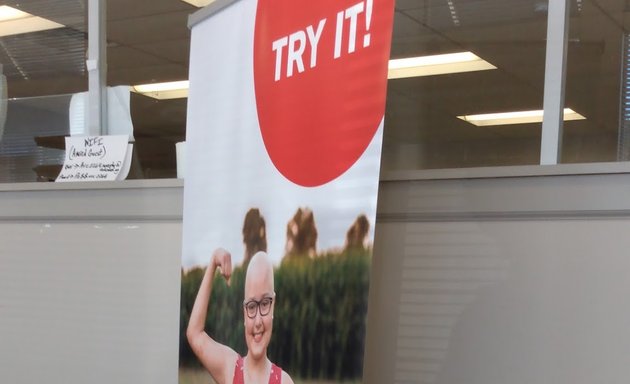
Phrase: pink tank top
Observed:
(274, 378)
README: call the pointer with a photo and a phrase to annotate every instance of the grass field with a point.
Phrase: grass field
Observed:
(194, 376)
(201, 376)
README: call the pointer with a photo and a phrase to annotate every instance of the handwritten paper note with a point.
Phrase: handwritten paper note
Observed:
(96, 158)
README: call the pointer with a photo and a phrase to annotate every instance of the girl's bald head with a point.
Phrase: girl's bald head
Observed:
(259, 277)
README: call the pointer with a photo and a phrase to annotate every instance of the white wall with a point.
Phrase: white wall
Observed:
(501, 280)
(89, 283)
(475, 280)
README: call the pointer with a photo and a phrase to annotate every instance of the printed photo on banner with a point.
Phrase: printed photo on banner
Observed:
(285, 121)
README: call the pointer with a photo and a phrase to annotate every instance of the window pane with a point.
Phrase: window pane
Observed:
(50, 61)
(32, 144)
(40, 68)
(597, 70)
(149, 42)
(422, 128)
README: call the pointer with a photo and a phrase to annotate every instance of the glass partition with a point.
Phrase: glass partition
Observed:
(42, 46)
(32, 142)
(432, 117)
(425, 127)
(148, 42)
(597, 82)
(42, 62)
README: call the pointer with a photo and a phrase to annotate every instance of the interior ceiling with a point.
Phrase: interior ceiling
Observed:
(148, 41)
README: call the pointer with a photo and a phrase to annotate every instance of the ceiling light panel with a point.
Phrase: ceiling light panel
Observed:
(520, 117)
(163, 91)
(198, 3)
(436, 65)
(14, 22)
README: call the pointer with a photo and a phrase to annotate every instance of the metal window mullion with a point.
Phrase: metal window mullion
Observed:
(555, 78)
(97, 67)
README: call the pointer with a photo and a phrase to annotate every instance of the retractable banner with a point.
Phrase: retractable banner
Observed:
(285, 121)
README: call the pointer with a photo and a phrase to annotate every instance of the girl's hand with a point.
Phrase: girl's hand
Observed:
(222, 260)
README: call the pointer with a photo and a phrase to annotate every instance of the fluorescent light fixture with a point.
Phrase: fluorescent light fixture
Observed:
(162, 91)
(437, 65)
(521, 117)
(14, 22)
(198, 3)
